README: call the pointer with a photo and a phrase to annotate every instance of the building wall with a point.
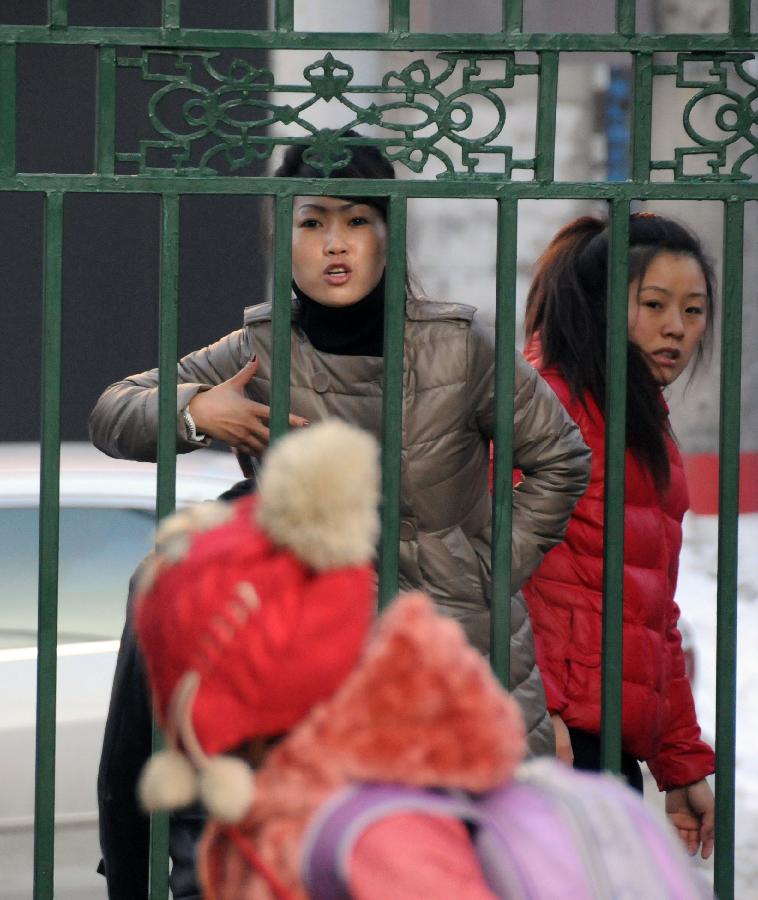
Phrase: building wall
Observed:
(452, 242)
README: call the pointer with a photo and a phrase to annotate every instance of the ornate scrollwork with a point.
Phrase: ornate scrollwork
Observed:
(210, 118)
(724, 105)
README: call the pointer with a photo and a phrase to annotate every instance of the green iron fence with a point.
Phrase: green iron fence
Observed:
(185, 160)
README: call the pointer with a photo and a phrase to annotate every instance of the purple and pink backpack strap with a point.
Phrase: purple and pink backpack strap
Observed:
(550, 832)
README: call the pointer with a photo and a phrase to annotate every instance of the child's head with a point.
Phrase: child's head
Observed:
(255, 611)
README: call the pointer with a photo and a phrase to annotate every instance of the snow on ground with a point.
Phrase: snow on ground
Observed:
(696, 595)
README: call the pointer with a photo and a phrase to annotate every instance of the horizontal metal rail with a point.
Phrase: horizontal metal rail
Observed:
(498, 41)
(458, 188)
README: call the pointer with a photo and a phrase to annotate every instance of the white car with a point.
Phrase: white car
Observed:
(106, 527)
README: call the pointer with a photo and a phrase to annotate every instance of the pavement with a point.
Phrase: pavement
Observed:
(77, 853)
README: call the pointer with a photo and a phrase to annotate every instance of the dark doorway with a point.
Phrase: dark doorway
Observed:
(111, 240)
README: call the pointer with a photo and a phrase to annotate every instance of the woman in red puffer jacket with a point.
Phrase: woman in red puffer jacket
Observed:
(670, 314)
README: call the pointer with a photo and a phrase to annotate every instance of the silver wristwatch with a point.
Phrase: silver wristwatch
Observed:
(191, 428)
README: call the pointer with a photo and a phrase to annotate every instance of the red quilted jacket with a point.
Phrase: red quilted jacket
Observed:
(565, 602)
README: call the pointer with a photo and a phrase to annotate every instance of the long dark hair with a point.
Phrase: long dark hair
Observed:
(365, 161)
(566, 308)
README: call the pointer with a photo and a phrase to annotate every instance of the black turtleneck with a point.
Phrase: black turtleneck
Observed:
(356, 330)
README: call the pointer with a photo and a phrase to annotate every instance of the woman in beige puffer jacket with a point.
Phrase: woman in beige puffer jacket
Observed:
(448, 418)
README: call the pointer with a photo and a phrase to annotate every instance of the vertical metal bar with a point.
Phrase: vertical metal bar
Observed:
(626, 17)
(282, 318)
(106, 110)
(170, 14)
(726, 589)
(505, 369)
(615, 451)
(400, 15)
(285, 15)
(739, 17)
(8, 109)
(392, 400)
(58, 13)
(47, 614)
(547, 103)
(642, 106)
(513, 16)
(168, 328)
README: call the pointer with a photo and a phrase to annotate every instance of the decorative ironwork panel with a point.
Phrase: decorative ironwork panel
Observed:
(720, 117)
(214, 115)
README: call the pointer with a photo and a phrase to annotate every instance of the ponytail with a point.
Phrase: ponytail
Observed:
(567, 313)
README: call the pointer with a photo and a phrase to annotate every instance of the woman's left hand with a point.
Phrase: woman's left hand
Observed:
(691, 810)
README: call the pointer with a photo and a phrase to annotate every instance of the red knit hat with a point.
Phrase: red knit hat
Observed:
(255, 611)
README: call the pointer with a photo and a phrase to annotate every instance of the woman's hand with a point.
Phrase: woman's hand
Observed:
(691, 811)
(563, 749)
(227, 414)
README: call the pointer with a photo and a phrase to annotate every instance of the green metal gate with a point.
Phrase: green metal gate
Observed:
(171, 56)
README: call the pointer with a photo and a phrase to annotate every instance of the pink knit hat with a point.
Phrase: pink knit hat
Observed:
(253, 612)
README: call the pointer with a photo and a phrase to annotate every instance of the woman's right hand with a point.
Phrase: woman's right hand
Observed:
(227, 414)
(691, 810)
(563, 749)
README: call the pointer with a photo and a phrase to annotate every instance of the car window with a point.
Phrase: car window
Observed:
(99, 550)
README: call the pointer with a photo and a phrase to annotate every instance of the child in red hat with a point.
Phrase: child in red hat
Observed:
(387, 765)
(252, 612)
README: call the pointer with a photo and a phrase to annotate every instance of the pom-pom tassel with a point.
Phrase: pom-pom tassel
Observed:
(168, 781)
(227, 788)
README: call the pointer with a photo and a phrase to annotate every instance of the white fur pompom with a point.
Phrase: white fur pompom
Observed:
(167, 781)
(319, 492)
(227, 788)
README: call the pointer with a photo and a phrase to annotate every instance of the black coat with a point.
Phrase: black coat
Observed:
(127, 743)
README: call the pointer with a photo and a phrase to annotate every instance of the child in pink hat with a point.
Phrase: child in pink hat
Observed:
(387, 761)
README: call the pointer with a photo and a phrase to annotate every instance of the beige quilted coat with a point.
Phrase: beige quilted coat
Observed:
(448, 421)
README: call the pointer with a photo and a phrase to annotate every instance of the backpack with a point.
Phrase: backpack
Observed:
(551, 832)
